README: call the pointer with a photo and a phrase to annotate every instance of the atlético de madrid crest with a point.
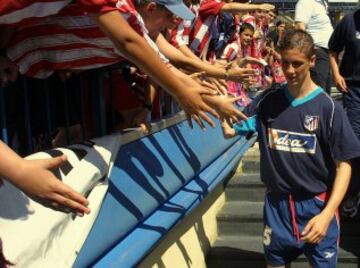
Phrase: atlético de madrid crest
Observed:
(311, 122)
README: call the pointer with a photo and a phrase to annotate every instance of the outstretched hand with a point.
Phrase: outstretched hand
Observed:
(241, 74)
(191, 101)
(242, 62)
(36, 180)
(224, 105)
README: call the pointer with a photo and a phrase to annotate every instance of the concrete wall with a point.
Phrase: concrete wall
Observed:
(189, 241)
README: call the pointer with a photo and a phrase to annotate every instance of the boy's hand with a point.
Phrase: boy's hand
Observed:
(340, 83)
(250, 60)
(316, 228)
(35, 180)
(241, 74)
(140, 120)
(225, 107)
(194, 106)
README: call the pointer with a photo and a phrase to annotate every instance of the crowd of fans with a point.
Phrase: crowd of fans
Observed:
(202, 57)
(214, 51)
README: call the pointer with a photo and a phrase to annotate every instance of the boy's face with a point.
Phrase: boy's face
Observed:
(258, 14)
(158, 18)
(280, 28)
(272, 16)
(246, 36)
(296, 66)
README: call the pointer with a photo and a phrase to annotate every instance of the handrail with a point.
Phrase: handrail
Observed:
(155, 181)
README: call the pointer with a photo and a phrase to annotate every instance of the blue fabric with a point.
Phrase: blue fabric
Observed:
(346, 36)
(280, 244)
(352, 105)
(246, 126)
(296, 102)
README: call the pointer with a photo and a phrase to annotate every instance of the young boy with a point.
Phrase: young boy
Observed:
(306, 143)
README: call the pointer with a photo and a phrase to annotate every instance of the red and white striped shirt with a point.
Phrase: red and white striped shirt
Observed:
(235, 50)
(201, 30)
(69, 40)
(179, 36)
(15, 13)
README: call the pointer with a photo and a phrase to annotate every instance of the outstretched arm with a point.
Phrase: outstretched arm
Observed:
(235, 7)
(195, 64)
(134, 47)
(36, 180)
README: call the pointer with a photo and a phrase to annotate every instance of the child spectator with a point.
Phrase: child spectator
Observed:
(275, 76)
(238, 49)
(200, 33)
(306, 143)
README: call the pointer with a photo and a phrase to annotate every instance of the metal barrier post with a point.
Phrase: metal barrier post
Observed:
(67, 120)
(29, 143)
(98, 102)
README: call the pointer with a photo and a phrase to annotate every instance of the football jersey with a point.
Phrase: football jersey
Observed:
(300, 140)
(200, 33)
(179, 35)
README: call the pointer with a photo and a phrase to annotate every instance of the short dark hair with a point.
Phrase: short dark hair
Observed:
(246, 26)
(280, 22)
(298, 39)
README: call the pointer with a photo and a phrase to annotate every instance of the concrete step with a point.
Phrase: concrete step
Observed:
(241, 218)
(247, 251)
(250, 165)
(246, 218)
(245, 187)
(252, 155)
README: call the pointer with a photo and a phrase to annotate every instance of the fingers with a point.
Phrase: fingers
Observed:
(206, 118)
(209, 85)
(237, 116)
(53, 163)
(145, 127)
(307, 229)
(197, 74)
(310, 234)
(249, 71)
(188, 118)
(68, 198)
(343, 86)
(211, 111)
(205, 90)
(198, 121)
(222, 83)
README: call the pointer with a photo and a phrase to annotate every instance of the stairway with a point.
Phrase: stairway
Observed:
(240, 224)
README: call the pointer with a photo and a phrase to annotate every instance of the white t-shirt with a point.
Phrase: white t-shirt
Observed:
(317, 23)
